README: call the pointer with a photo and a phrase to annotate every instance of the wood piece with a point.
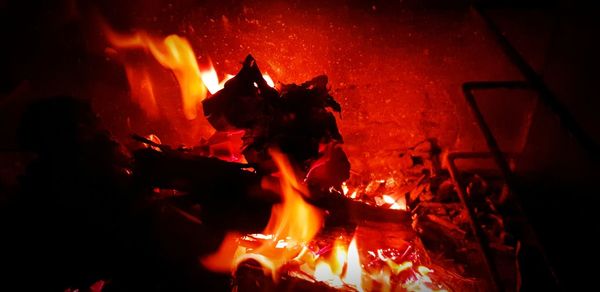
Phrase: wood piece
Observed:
(213, 181)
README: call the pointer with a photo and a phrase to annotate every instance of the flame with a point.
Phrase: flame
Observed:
(211, 79)
(293, 217)
(268, 79)
(323, 273)
(341, 267)
(344, 188)
(370, 193)
(354, 271)
(293, 223)
(395, 204)
(155, 139)
(176, 54)
(172, 52)
(142, 90)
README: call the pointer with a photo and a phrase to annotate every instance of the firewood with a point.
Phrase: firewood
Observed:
(203, 177)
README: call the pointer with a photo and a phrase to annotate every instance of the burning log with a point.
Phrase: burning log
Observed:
(202, 178)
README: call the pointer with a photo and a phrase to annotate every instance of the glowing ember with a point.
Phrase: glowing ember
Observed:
(370, 193)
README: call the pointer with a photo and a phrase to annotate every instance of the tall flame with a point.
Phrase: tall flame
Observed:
(293, 223)
(174, 53)
(211, 79)
(354, 270)
(342, 267)
(294, 217)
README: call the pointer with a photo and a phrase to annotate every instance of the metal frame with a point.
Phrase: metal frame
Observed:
(500, 161)
(478, 233)
(535, 81)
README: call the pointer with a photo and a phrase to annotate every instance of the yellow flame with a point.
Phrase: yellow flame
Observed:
(292, 224)
(339, 258)
(341, 267)
(293, 217)
(323, 273)
(174, 53)
(268, 80)
(344, 188)
(211, 79)
(395, 204)
(353, 274)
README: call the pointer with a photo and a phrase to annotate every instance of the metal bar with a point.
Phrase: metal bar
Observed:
(478, 233)
(483, 242)
(485, 129)
(546, 95)
(500, 158)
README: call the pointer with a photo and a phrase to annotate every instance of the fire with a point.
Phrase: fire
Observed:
(354, 270)
(172, 52)
(293, 218)
(293, 223)
(341, 268)
(176, 54)
(268, 79)
(370, 193)
(211, 79)
(395, 204)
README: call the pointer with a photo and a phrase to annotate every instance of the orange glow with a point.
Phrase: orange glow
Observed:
(221, 260)
(395, 204)
(154, 139)
(394, 199)
(142, 91)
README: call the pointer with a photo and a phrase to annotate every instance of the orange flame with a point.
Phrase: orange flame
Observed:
(142, 90)
(292, 224)
(341, 268)
(211, 79)
(174, 53)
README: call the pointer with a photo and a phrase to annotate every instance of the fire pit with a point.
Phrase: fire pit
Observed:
(289, 134)
(282, 147)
